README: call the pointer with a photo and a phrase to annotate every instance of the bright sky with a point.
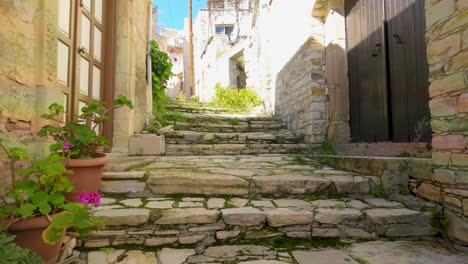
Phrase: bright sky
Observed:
(171, 13)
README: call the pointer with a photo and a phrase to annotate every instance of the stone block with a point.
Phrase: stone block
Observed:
(97, 243)
(444, 176)
(146, 144)
(443, 106)
(227, 234)
(293, 184)
(448, 142)
(287, 217)
(392, 215)
(463, 101)
(451, 83)
(245, 216)
(124, 216)
(123, 175)
(325, 232)
(443, 48)
(441, 158)
(332, 256)
(429, 192)
(408, 230)
(336, 216)
(122, 186)
(188, 216)
(460, 160)
(439, 11)
(457, 227)
(188, 240)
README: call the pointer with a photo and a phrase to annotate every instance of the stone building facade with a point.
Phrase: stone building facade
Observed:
(447, 54)
(36, 38)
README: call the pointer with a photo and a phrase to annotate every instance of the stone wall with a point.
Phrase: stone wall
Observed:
(447, 52)
(130, 70)
(300, 92)
(28, 65)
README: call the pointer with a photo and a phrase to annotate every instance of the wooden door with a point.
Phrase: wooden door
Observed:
(408, 70)
(367, 70)
(85, 46)
(387, 69)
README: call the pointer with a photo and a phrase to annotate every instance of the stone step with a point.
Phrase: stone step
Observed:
(209, 220)
(304, 252)
(227, 118)
(254, 126)
(242, 175)
(235, 149)
(205, 138)
(194, 109)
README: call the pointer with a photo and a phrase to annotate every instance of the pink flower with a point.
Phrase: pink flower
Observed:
(175, 59)
(90, 198)
(67, 145)
(171, 50)
(162, 81)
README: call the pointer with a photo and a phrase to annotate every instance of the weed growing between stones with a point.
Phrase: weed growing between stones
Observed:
(402, 191)
(439, 223)
(291, 243)
(380, 192)
(299, 158)
(234, 121)
(163, 119)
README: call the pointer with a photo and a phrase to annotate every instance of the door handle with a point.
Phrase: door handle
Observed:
(397, 39)
(377, 50)
(81, 50)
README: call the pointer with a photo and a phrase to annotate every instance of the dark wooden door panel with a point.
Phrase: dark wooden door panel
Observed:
(367, 72)
(387, 69)
(407, 67)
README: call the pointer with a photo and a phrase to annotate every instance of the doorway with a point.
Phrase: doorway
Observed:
(388, 72)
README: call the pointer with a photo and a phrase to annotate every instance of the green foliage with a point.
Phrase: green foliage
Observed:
(195, 99)
(242, 100)
(165, 119)
(439, 223)
(379, 192)
(10, 253)
(402, 191)
(39, 193)
(234, 121)
(181, 97)
(325, 148)
(161, 65)
(299, 158)
(75, 138)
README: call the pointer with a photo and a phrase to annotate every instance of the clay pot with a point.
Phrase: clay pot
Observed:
(28, 234)
(87, 175)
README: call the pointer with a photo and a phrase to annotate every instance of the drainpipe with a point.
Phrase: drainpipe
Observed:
(149, 70)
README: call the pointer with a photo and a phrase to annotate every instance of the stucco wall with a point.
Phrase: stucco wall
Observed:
(447, 53)
(130, 70)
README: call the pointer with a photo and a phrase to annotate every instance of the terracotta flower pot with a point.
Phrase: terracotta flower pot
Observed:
(28, 234)
(87, 175)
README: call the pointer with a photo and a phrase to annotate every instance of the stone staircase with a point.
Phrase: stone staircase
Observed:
(210, 131)
(195, 198)
(204, 200)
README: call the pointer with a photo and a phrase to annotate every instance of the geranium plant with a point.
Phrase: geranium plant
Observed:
(39, 193)
(81, 137)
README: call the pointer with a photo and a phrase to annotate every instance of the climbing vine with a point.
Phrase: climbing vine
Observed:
(162, 71)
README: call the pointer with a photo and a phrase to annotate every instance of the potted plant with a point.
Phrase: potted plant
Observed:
(81, 142)
(10, 253)
(35, 210)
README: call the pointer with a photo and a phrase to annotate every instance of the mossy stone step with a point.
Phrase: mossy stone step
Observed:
(241, 219)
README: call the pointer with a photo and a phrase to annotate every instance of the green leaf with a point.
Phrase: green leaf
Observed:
(27, 210)
(56, 198)
(73, 207)
(47, 116)
(52, 235)
(39, 198)
(57, 108)
(44, 208)
(18, 154)
(121, 100)
(7, 211)
(27, 186)
(63, 221)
